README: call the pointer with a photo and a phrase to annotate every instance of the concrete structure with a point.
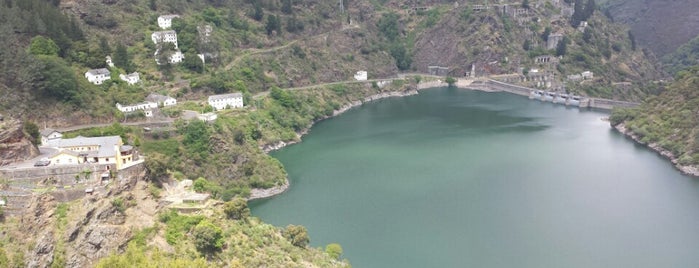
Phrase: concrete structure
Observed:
(98, 76)
(48, 135)
(146, 107)
(99, 150)
(553, 40)
(165, 21)
(361, 76)
(174, 58)
(161, 100)
(438, 70)
(109, 62)
(582, 26)
(207, 117)
(164, 37)
(220, 102)
(131, 78)
(587, 75)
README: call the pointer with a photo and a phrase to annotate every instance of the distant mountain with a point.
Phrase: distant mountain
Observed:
(661, 25)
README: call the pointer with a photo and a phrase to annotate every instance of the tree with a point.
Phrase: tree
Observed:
(562, 47)
(208, 238)
(273, 25)
(286, 6)
(156, 164)
(258, 13)
(33, 131)
(334, 250)
(587, 35)
(527, 45)
(590, 9)
(43, 46)
(236, 209)
(297, 235)
(193, 62)
(122, 59)
(400, 54)
(450, 81)
(152, 5)
(525, 4)
(545, 35)
(104, 46)
(388, 25)
(633, 40)
(56, 79)
(282, 96)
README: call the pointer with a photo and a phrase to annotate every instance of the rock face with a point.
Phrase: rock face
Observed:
(15, 145)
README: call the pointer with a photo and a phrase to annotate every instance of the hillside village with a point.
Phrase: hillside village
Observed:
(541, 69)
(191, 98)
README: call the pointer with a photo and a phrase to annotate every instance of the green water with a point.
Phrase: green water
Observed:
(457, 178)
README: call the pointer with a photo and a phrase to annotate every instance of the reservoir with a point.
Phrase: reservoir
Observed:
(459, 178)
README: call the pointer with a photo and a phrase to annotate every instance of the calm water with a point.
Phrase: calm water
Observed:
(456, 178)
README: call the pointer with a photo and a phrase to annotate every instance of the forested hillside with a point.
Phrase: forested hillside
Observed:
(663, 26)
(669, 121)
(253, 45)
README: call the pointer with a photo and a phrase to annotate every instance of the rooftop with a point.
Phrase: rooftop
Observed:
(169, 16)
(106, 144)
(48, 131)
(155, 97)
(98, 71)
(225, 96)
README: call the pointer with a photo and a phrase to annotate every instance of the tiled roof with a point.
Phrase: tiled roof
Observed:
(106, 144)
(46, 132)
(98, 71)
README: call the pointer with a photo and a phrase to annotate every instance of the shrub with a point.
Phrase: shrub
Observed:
(236, 209)
(207, 237)
(334, 250)
(297, 235)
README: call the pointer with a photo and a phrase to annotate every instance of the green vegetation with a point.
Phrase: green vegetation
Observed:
(334, 250)
(297, 235)
(207, 237)
(669, 120)
(220, 242)
(236, 209)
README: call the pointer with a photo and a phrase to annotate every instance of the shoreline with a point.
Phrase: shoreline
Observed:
(686, 170)
(259, 193)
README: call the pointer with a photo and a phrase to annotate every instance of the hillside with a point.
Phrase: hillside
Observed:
(668, 123)
(286, 58)
(662, 26)
(254, 45)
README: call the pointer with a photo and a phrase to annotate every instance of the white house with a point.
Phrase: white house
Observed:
(131, 78)
(165, 21)
(49, 135)
(100, 150)
(161, 100)
(97, 76)
(232, 100)
(174, 58)
(164, 37)
(360, 76)
(587, 75)
(146, 106)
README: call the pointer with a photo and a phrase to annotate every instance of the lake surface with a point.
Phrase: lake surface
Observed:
(458, 178)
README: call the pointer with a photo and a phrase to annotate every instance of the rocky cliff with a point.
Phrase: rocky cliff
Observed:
(77, 234)
(15, 145)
